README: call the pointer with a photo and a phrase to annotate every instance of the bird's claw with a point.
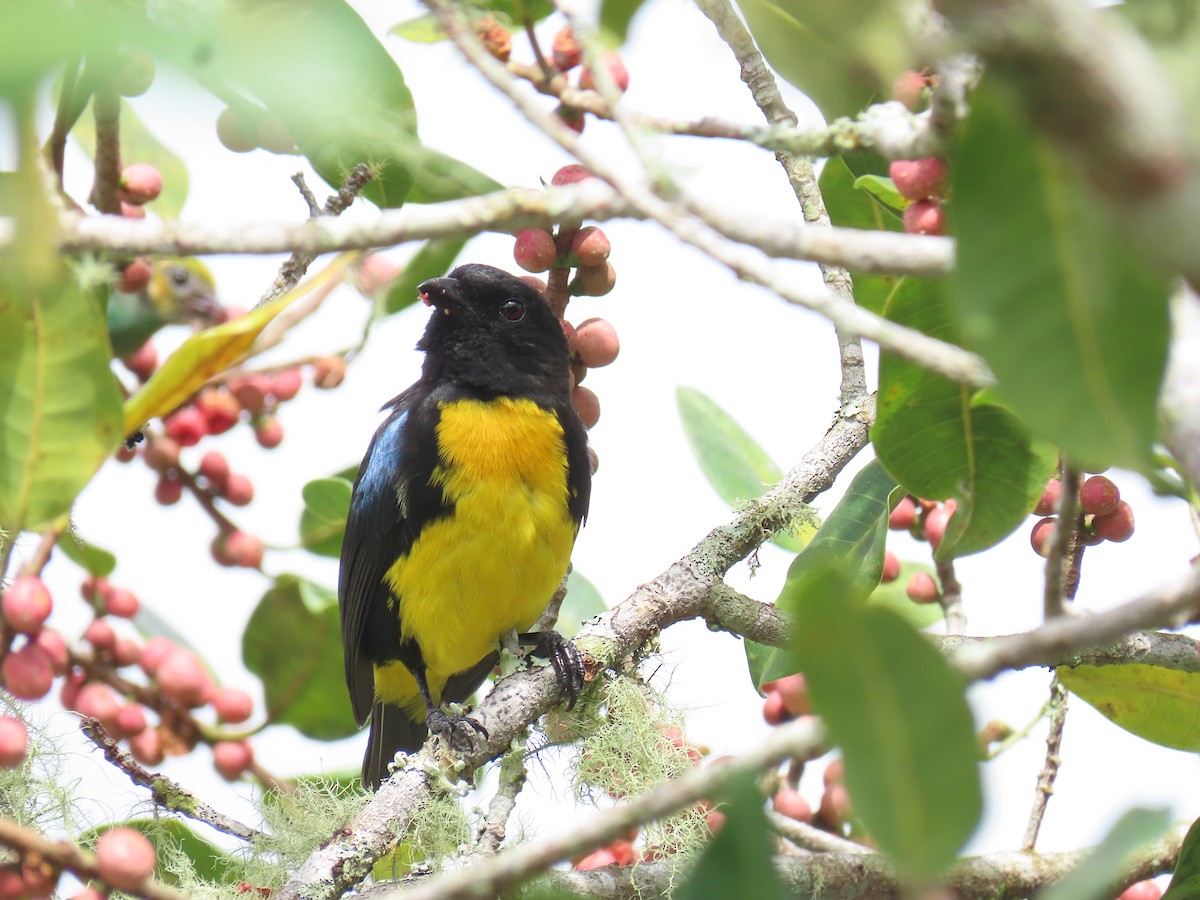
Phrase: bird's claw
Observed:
(458, 730)
(564, 658)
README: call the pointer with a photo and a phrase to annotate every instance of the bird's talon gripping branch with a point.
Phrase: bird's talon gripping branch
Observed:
(456, 729)
(563, 656)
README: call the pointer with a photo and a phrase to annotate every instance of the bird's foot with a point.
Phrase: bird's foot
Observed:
(456, 729)
(563, 656)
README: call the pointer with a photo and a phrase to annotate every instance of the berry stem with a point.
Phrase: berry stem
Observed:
(106, 108)
(1062, 575)
(951, 597)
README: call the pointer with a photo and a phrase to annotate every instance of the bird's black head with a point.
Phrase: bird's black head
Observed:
(492, 332)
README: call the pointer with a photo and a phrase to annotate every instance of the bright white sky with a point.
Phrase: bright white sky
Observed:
(683, 320)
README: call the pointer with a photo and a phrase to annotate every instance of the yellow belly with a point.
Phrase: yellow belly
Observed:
(493, 564)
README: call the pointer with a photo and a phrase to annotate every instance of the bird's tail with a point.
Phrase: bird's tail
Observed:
(394, 729)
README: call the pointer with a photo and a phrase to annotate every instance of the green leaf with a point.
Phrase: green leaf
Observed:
(293, 642)
(842, 55)
(852, 540)
(941, 440)
(733, 462)
(89, 557)
(138, 144)
(420, 30)
(898, 711)
(1096, 876)
(850, 207)
(60, 406)
(1160, 705)
(615, 16)
(323, 522)
(434, 259)
(583, 602)
(1052, 295)
(737, 863)
(883, 190)
(1185, 883)
(446, 178)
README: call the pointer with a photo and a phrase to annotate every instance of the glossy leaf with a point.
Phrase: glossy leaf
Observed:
(323, 521)
(293, 643)
(89, 557)
(615, 16)
(583, 602)
(851, 207)
(60, 406)
(138, 144)
(1160, 705)
(420, 30)
(1052, 295)
(1185, 883)
(1096, 875)
(212, 351)
(737, 862)
(899, 713)
(733, 462)
(883, 191)
(444, 178)
(842, 55)
(940, 439)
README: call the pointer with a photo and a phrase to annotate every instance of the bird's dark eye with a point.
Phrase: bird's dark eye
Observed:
(512, 309)
(179, 275)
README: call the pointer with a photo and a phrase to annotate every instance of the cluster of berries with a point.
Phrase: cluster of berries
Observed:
(249, 129)
(926, 520)
(141, 183)
(566, 55)
(176, 681)
(1106, 517)
(921, 181)
(124, 860)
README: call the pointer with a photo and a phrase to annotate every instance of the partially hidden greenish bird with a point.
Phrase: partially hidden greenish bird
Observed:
(180, 291)
(463, 516)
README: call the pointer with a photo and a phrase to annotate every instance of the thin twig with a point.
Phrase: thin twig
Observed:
(495, 823)
(809, 837)
(106, 109)
(1045, 781)
(1056, 584)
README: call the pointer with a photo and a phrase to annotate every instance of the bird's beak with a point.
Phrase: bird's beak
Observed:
(436, 291)
(206, 307)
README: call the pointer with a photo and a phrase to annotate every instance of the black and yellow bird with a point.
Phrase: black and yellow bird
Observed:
(463, 515)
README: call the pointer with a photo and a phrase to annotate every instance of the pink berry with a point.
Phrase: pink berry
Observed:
(374, 273)
(773, 710)
(534, 250)
(1099, 496)
(55, 648)
(269, 433)
(590, 246)
(130, 719)
(143, 361)
(835, 806)
(1143, 890)
(135, 276)
(161, 454)
(596, 342)
(12, 885)
(124, 858)
(232, 705)
(231, 759)
(791, 803)
(909, 89)
(238, 490)
(243, 550)
(154, 652)
(72, 685)
(935, 522)
(140, 183)
(1117, 526)
(98, 701)
(1042, 537)
(214, 468)
(794, 691)
(26, 604)
(147, 747)
(1048, 504)
(572, 174)
(219, 408)
(616, 71)
(14, 742)
(571, 117)
(135, 73)
(924, 217)
(594, 281)
(922, 588)
(891, 567)
(328, 372)
(587, 404)
(919, 179)
(168, 490)
(126, 652)
(130, 211)
(251, 392)
(122, 603)
(183, 678)
(903, 516)
(100, 634)
(186, 426)
(286, 384)
(565, 49)
(597, 859)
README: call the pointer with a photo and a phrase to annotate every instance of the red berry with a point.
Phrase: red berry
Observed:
(12, 884)
(534, 250)
(242, 549)
(238, 490)
(214, 468)
(594, 281)
(616, 71)
(219, 408)
(183, 678)
(28, 673)
(590, 246)
(130, 719)
(1042, 537)
(572, 174)
(168, 490)
(232, 705)
(140, 183)
(935, 522)
(233, 133)
(835, 806)
(791, 803)
(156, 650)
(623, 852)
(909, 89)
(773, 710)
(26, 604)
(161, 454)
(1048, 505)
(286, 384)
(98, 701)
(124, 858)
(903, 516)
(147, 747)
(596, 859)
(374, 273)
(14, 742)
(39, 878)
(100, 634)
(891, 567)
(495, 37)
(1117, 526)
(1143, 890)
(794, 692)
(596, 342)
(134, 75)
(55, 648)
(143, 361)
(924, 217)
(186, 426)
(122, 603)
(565, 49)
(135, 276)
(232, 758)
(918, 179)
(328, 372)
(571, 117)
(922, 588)
(587, 404)
(1099, 496)
(126, 652)
(269, 433)
(130, 211)
(72, 684)
(251, 392)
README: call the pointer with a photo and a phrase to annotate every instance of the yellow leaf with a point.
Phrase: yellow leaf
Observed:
(1160, 705)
